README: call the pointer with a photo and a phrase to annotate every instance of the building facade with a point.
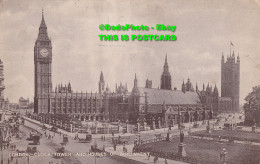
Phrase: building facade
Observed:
(2, 88)
(230, 79)
(168, 107)
(24, 103)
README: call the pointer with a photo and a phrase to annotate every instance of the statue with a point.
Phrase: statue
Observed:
(181, 147)
(181, 137)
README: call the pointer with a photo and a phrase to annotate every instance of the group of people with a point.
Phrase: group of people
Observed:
(49, 136)
(103, 138)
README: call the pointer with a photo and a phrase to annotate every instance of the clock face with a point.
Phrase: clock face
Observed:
(44, 52)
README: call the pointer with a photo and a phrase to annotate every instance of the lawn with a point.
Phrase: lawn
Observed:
(208, 151)
(238, 135)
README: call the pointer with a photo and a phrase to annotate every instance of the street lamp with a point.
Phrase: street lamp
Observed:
(2, 156)
(28, 160)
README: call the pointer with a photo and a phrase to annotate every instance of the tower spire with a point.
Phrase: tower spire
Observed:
(101, 84)
(166, 67)
(43, 35)
(135, 81)
(166, 77)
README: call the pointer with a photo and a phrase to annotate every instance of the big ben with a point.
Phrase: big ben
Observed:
(42, 70)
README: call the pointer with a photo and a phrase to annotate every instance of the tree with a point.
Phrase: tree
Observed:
(253, 99)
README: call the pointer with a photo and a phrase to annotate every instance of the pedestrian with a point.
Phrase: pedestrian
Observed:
(114, 146)
(165, 161)
(155, 159)
(104, 138)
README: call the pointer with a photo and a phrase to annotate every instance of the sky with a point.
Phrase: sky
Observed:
(204, 30)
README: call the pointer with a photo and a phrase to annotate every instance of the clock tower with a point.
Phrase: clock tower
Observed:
(42, 70)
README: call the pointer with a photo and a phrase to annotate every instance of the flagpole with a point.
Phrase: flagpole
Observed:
(230, 48)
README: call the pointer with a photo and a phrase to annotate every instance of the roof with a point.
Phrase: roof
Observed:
(160, 96)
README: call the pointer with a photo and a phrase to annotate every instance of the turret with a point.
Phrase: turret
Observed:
(101, 84)
(166, 77)
(215, 92)
(208, 89)
(135, 82)
(222, 60)
(69, 88)
(183, 88)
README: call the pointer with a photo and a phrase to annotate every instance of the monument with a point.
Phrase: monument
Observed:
(208, 128)
(181, 150)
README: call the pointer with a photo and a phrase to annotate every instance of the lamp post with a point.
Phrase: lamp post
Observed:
(28, 159)
(2, 156)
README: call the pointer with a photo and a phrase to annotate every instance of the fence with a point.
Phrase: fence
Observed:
(107, 130)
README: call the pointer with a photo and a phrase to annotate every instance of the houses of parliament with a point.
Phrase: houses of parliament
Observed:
(141, 103)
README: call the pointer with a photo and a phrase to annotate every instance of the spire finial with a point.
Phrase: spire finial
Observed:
(42, 13)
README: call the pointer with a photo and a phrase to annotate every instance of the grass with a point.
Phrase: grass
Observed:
(209, 151)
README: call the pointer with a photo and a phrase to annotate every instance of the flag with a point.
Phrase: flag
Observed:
(231, 44)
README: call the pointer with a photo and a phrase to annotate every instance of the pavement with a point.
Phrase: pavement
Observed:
(141, 157)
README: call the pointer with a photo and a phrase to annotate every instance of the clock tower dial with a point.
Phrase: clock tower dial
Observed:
(44, 52)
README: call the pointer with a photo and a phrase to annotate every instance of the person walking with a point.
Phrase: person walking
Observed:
(155, 159)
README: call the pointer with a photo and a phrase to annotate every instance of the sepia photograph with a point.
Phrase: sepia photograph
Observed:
(129, 82)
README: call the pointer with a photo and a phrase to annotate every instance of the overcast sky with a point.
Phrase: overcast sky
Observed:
(204, 30)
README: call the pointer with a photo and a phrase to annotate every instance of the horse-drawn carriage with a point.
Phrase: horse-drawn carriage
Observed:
(31, 135)
(54, 129)
(95, 149)
(158, 135)
(87, 139)
(196, 125)
(44, 127)
(31, 149)
(65, 140)
(35, 138)
(59, 150)
(119, 140)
